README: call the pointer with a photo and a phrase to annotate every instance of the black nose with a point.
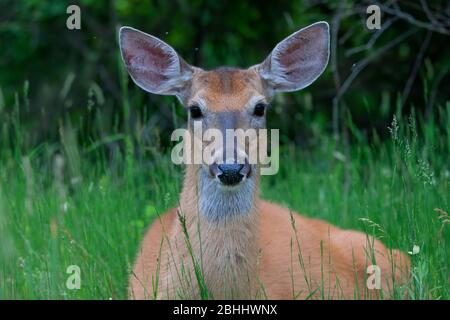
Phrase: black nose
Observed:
(230, 173)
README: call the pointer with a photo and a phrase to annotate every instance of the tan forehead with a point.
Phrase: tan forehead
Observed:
(225, 88)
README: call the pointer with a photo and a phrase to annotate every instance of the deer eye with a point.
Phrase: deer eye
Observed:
(259, 110)
(196, 112)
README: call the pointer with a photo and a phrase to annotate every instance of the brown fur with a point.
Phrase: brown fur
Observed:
(225, 89)
(341, 263)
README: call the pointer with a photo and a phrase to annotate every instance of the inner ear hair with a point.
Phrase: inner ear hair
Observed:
(154, 65)
(298, 60)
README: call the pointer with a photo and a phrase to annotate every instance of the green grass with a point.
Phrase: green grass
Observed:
(397, 190)
(64, 204)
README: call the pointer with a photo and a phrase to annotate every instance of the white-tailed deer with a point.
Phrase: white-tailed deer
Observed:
(223, 241)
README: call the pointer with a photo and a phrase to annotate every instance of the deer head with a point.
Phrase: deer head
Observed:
(226, 98)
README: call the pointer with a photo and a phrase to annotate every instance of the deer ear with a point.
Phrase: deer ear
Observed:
(298, 60)
(153, 64)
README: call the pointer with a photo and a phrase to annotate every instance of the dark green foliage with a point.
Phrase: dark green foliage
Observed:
(66, 68)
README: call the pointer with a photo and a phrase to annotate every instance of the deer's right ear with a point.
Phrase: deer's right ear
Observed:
(153, 64)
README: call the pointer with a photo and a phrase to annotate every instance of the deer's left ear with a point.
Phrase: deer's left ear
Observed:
(298, 60)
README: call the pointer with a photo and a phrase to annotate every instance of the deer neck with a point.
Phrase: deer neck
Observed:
(222, 227)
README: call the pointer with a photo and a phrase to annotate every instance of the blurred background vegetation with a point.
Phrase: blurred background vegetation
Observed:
(74, 75)
(84, 161)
